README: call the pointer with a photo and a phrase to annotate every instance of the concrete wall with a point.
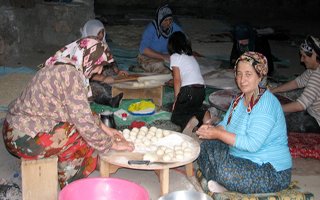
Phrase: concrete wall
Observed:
(30, 25)
(214, 8)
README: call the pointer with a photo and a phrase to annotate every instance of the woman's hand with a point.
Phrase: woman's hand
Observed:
(122, 73)
(208, 132)
(119, 142)
(122, 145)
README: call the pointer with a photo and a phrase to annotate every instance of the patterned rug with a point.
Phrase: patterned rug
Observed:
(304, 145)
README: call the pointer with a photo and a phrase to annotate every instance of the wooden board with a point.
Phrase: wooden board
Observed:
(130, 77)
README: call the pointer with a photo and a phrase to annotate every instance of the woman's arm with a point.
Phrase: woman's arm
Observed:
(210, 132)
(291, 85)
(176, 83)
(153, 54)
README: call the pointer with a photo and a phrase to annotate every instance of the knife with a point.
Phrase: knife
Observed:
(145, 162)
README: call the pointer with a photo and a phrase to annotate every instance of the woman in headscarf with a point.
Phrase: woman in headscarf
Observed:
(153, 46)
(52, 116)
(100, 83)
(304, 113)
(248, 151)
(246, 38)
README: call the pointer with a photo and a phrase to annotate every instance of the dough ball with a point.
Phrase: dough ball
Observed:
(142, 133)
(166, 133)
(177, 147)
(153, 133)
(153, 129)
(135, 84)
(162, 147)
(187, 149)
(150, 156)
(159, 134)
(179, 157)
(141, 84)
(178, 152)
(147, 83)
(149, 136)
(160, 152)
(144, 128)
(135, 129)
(126, 131)
(154, 139)
(168, 150)
(167, 157)
(147, 142)
(132, 138)
(140, 136)
(126, 135)
(132, 133)
(187, 152)
(184, 144)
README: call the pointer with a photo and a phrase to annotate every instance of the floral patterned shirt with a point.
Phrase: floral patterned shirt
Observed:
(57, 93)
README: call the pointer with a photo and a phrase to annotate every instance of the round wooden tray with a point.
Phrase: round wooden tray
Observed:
(121, 158)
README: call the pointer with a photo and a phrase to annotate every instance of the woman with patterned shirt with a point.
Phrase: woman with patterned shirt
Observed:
(248, 151)
(52, 116)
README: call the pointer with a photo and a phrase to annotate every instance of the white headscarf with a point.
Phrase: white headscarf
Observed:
(92, 28)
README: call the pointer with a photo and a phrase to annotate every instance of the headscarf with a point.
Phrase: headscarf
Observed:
(258, 61)
(162, 13)
(84, 54)
(244, 31)
(309, 44)
(260, 64)
(92, 28)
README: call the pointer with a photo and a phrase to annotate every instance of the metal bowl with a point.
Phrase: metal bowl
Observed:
(186, 195)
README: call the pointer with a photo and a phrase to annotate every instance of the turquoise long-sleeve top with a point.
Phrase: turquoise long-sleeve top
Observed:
(261, 135)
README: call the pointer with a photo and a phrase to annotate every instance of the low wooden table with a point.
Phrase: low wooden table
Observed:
(151, 92)
(114, 160)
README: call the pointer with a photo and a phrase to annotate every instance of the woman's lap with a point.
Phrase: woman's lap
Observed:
(238, 174)
(76, 158)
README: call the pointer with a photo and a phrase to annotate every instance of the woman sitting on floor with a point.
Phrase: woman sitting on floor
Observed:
(248, 151)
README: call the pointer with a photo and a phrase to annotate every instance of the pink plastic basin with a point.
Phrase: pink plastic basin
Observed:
(103, 189)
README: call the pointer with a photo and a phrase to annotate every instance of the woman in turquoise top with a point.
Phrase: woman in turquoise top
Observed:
(248, 151)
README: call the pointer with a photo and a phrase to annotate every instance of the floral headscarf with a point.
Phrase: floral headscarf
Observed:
(92, 28)
(84, 54)
(162, 13)
(260, 64)
(257, 60)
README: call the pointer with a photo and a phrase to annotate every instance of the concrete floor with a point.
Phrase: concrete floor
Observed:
(305, 171)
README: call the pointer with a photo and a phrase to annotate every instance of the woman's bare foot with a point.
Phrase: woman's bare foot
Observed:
(215, 187)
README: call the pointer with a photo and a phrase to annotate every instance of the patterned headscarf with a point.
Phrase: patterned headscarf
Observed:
(260, 64)
(92, 28)
(84, 54)
(162, 13)
(257, 60)
(309, 44)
